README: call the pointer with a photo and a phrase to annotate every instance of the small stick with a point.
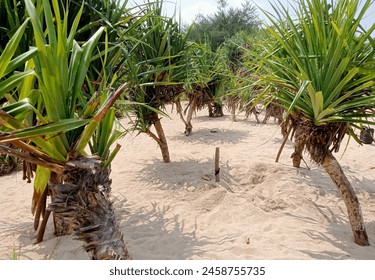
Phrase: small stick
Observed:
(217, 164)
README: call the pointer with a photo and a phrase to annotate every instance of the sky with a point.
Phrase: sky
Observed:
(190, 8)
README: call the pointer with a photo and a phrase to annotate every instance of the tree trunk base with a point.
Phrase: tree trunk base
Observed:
(217, 110)
(80, 204)
(188, 129)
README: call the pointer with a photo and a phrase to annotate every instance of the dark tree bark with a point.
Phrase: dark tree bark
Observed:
(275, 111)
(299, 146)
(163, 141)
(180, 111)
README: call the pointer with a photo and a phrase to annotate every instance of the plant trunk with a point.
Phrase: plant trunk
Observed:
(188, 125)
(297, 155)
(273, 111)
(218, 110)
(162, 141)
(233, 112)
(180, 111)
(255, 113)
(299, 146)
(210, 110)
(80, 204)
(333, 168)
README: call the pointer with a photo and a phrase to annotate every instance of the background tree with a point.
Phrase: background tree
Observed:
(224, 24)
(239, 94)
(208, 80)
(221, 30)
(156, 71)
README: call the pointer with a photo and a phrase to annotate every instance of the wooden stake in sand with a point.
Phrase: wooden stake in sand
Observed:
(217, 164)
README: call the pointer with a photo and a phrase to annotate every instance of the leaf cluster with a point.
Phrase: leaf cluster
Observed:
(323, 62)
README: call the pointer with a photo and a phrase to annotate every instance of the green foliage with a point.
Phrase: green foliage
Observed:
(52, 89)
(209, 72)
(9, 62)
(120, 23)
(12, 15)
(156, 65)
(224, 24)
(323, 62)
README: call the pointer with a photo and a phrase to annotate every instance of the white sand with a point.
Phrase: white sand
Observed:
(259, 210)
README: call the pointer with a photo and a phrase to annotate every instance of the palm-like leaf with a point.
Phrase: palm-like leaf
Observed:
(326, 52)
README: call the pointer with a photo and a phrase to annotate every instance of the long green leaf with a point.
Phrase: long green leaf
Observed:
(13, 81)
(11, 48)
(46, 129)
(42, 176)
(20, 60)
(84, 63)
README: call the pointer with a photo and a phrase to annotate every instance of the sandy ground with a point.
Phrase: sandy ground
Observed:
(259, 210)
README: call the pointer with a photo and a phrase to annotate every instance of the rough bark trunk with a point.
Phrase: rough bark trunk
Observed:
(333, 168)
(217, 164)
(162, 139)
(273, 111)
(80, 203)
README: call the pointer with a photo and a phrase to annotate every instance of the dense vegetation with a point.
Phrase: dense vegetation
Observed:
(225, 23)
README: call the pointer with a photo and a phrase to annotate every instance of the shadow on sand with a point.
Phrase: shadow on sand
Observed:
(338, 230)
(185, 173)
(157, 233)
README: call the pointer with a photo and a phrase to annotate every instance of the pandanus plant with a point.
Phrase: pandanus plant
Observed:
(52, 124)
(156, 71)
(322, 71)
(242, 93)
(209, 78)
